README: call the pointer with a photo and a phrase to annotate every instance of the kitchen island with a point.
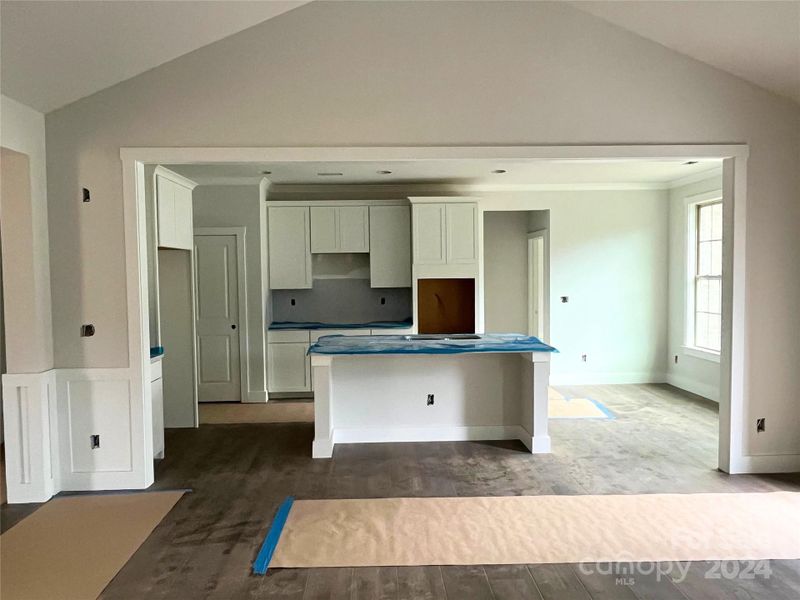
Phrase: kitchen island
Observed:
(423, 388)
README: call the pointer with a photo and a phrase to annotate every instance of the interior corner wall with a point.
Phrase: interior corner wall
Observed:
(697, 375)
(28, 317)
(505, 271)
(609, 256)
(240, 206)
(555, 76)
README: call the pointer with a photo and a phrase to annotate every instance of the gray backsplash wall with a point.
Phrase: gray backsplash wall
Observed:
(342, 301)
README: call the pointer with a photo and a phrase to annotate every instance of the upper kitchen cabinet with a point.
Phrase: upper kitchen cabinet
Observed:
(289, 248)
(446, 233)
(390, 246)
(174, 202)
(339, 229)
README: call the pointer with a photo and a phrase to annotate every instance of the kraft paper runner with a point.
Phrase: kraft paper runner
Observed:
(540, 529)
(73, 546)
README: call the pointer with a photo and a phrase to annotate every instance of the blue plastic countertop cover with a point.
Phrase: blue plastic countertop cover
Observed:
(277, 325)
(400, 344)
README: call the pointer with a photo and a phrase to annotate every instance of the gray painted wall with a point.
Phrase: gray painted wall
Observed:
(239, 206)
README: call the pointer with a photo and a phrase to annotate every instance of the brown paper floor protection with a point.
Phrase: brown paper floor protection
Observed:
(73, 546)
(540, 529)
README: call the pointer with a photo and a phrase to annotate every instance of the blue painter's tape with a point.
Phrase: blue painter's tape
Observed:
(603, 408)
(273, 536)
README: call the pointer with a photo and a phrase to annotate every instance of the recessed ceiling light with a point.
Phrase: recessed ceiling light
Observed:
(384, 172)
(499, 171)
(330, 174)
(690, 162)
(266, 172)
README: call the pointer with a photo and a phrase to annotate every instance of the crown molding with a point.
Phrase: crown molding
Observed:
(695, 177)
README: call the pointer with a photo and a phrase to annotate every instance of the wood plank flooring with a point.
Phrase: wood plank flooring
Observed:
(663, 440)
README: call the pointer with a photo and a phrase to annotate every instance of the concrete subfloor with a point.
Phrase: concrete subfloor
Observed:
(663, 440)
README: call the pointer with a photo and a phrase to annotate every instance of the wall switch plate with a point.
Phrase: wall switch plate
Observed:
(94, 441)
(87, 330)
(564, 299)
(676, 359)
(761, 425)
(86, 195)
(584, 357)
(430, 399)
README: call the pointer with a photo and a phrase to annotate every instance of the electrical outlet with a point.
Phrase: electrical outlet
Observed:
(94, 441)
(564, 299)
(292, 302)
(87, 330)
(86, 195)
(584, 357)
(430, 399)
(383, 300)
(761, 425)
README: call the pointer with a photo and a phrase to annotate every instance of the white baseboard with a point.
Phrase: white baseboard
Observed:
(429, 434)
(257, 396)
(606, 378)
(768, 463)
(695, 387)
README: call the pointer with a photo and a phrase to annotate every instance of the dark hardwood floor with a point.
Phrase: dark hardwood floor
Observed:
(663, 440)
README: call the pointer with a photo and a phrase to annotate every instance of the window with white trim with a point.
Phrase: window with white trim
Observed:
(706, 328)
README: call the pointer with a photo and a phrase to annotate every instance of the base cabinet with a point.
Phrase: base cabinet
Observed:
(289, 367)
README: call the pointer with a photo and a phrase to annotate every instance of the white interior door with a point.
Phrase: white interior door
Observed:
(217, 281)
(536, 286)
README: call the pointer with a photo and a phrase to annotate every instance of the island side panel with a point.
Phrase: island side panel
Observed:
(384, 398)
(534, 405)
(322, 372)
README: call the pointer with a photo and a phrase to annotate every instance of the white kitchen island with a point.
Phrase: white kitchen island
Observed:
(397, 388)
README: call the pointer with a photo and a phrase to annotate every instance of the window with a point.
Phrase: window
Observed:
(706, 333)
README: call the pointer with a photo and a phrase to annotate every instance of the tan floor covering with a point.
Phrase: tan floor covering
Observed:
(540, 529)
(73, 546)
(276, 411)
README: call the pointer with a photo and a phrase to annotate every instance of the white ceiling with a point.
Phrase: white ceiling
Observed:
(53, 53)
(756, 40)
(530, 173)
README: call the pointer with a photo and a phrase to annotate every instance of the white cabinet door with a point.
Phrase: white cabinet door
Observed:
(429, 234)
(462, 233)
(324, 231)
(157, 392)
(165, 200)
(289, 368)
(353, 227)
(289, 248)
(339, 229)
(175, 226)
(390, 246)
(184, 226)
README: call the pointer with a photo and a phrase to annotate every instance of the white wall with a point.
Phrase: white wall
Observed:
(29, 337)
(505, 272)
(240, 206)
(420, 74)
(697, 375)
(609, 256)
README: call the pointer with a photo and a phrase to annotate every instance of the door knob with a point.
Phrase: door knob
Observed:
(233, 326)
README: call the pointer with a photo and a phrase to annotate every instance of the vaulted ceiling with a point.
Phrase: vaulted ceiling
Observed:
(55, 52)
(756, 40)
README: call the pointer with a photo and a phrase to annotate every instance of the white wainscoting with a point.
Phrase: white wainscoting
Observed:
(101, 402)
(30, 426)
